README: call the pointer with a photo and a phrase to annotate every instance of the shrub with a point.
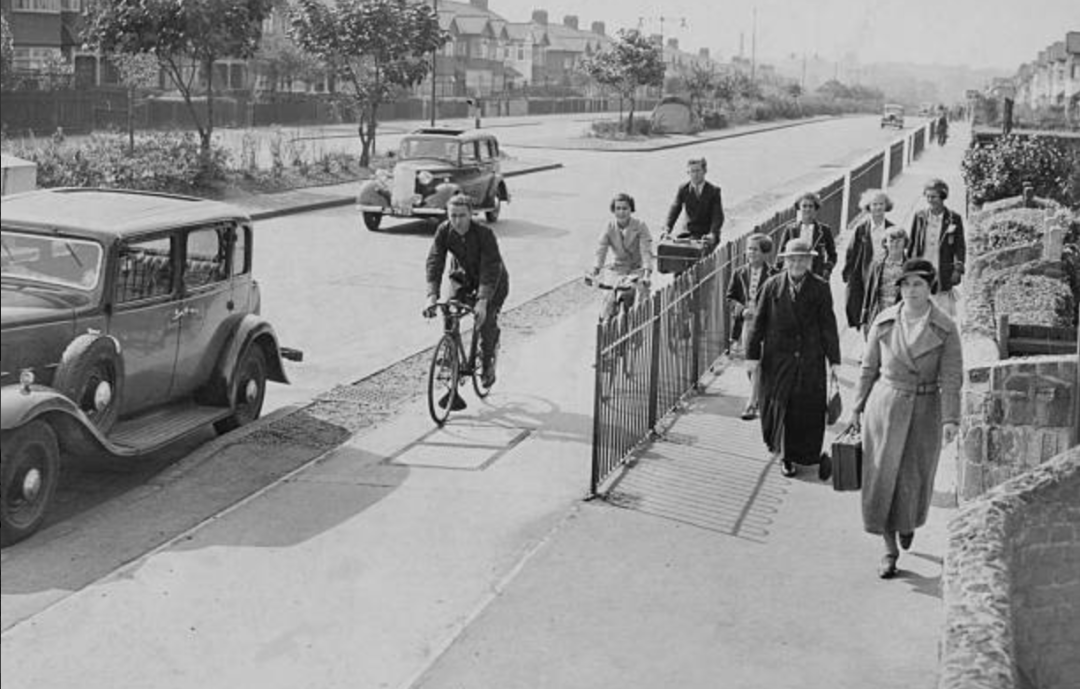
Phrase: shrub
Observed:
(1034, 300)
(160, 162)
(714, 119)
(999, 169)
(613, 129)
(1008, 228)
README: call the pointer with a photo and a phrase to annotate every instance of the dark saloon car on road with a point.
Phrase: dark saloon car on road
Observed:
(432, 165)
(129, 320)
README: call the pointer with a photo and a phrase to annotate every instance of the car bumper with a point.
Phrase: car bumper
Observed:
(419, 211)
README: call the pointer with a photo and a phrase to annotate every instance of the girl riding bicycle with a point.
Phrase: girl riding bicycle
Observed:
(629, 241)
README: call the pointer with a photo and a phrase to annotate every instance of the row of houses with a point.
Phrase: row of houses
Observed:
(486, 55)
(1052, 78)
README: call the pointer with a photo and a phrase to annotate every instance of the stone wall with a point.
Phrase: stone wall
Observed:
(1011, 584)
(1017, 413)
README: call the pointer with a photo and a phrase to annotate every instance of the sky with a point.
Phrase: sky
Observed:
(1000, 34)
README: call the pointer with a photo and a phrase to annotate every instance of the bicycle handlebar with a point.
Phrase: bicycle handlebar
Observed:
(622, 281)
(449, 307)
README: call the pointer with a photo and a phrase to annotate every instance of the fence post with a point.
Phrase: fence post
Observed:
(594, 480)
(845, 205)
(695, 326)
(886, 165)
(654, 361)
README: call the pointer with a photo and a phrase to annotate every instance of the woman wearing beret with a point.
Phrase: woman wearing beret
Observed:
(907, 404)
(937, 235)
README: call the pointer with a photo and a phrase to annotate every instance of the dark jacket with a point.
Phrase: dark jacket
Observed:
(952, 247)
(739, 292)
(476, 263)
(794, 338)
(824, 246)
(860, 254)
(704, 214)
(872, 304)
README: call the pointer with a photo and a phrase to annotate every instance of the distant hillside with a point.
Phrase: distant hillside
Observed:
(907, 83)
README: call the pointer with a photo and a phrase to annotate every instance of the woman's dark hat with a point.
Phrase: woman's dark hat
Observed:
(921, 267)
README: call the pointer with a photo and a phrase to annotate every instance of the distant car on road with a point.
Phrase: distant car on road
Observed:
(432, 165)
(892, 116)
(129, 320)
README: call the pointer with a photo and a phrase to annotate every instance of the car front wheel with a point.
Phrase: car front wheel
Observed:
(493, 214)
(29, 475)
(249, 392)
(372, 221)
(91, 374)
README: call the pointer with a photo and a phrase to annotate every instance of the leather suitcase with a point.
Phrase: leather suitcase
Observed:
(676, 255)
(847, 460)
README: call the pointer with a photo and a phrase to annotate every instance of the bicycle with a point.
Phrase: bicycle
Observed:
(450, 364)
(616, 308)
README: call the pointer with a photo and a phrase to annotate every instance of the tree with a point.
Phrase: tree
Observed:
(701, 83)
(632, 62)
(186, 36)
(7, 51)
(377, 47)
(137, 70)
(282, 62)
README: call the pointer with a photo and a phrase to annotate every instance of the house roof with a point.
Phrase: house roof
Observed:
(527, 33)
(565, 39)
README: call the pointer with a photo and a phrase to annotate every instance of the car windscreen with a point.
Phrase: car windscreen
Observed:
(441, 149)
(54, 260)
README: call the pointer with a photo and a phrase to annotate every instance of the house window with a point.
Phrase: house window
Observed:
(50, 6)
(34, 59)
(521, 52)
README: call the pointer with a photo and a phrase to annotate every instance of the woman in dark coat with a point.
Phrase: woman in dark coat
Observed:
(909, 387)
(794, 337)
(746, 285)
(937, 235)
(865, 246)
(806, 226)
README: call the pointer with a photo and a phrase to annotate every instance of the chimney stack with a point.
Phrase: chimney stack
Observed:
(540, 17)
(599, 29)
(570, 20)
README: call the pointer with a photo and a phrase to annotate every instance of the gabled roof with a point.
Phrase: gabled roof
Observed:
(565, 39)
(527, 33)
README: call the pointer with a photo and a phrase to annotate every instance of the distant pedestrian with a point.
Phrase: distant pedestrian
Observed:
(742, 294)
(794, 337)
(806, 226)
(937, 234)
(907, 404)
(701, 202)
(942, 126)
(882, 290)
(867, 243)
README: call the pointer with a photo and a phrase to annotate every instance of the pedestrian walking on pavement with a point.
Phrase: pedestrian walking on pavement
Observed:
(478, 277)
(867, 244)
(907, 404)
(937, 235)
(806, 226)
(795, 339)
(742, 294)
(882, 290)
(701, 202)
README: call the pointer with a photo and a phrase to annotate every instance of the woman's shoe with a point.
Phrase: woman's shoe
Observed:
(906, 539)
(787, 469)
(887, 567)
(750, 413)
(824, 471)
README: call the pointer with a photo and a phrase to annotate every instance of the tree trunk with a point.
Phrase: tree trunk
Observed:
(630, 117)
(131, 120)
(208, 131)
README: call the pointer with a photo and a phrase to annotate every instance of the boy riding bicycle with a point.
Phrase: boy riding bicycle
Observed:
(629, 241)
(478, 276)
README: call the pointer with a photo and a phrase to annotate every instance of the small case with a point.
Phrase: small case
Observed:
(676, 255)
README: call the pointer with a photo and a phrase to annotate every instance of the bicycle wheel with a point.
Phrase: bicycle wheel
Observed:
(442, 379)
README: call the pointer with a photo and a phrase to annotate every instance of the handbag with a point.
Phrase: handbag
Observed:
(835, 405)
(847, 459)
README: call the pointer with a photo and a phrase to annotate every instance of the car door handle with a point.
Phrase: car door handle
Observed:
(181, 314)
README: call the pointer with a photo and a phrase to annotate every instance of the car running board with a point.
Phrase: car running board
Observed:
(162, 426)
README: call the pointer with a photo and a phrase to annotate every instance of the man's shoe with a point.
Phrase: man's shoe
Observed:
(787, 469)
(487, 378)
(887, 566)
(457, 405)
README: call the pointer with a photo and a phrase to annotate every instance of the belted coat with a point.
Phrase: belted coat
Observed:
(906, 392)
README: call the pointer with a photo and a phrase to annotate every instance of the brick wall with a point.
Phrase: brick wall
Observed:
(1017, 413)
(1011, 584)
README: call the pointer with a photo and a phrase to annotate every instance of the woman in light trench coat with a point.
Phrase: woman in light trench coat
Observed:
(908, 402)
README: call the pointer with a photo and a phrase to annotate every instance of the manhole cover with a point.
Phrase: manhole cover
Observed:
(463, 447)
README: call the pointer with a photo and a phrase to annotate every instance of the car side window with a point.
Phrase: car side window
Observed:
(471, 152)
(145, 270)
(206, 256)
(241, 263)
(493, 148)
(485, 151)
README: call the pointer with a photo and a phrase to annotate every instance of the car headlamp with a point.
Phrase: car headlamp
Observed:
(26, 379)
(425, 177)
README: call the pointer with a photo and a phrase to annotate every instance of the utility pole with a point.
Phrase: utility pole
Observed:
(753, 46)
(434, 66)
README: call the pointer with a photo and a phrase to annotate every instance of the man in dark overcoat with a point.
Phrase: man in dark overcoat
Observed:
(794, 337)
(702, 203)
